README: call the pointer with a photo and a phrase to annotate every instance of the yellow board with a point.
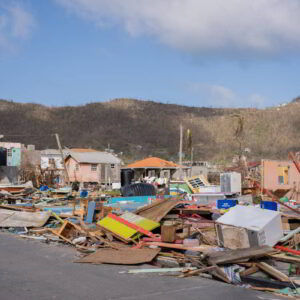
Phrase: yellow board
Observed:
(125, 231)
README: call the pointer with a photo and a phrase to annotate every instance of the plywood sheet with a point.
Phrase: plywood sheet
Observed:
(121, 256)
(125, 231)
(10, 218)
(156, 212)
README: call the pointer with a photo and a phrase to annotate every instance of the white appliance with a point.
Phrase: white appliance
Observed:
(231, 183)
(247, 226)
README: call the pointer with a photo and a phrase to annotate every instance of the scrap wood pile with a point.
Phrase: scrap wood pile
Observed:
(26, 193)
(175, 236)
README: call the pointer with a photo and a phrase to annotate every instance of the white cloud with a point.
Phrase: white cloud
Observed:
(16, 22)
(254, 27)
(220, 96)
(257, 100)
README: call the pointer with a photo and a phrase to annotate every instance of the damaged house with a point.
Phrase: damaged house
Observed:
(94, 167)
(279, 175)
(17, 162)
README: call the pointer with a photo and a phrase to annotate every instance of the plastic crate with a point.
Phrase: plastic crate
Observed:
(268, 205)
(226, 203)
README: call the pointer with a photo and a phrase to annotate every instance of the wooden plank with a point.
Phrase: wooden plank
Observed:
(217, 272)
(90, 211)
(250, 271)
(285, 224)
(158, 211)
(272, 271)
(113, 234)
(203, 248)
(286, 258)
(197, 272)
(150, 206)
(229, 256)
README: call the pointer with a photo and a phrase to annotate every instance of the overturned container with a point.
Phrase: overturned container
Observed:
(247, 226)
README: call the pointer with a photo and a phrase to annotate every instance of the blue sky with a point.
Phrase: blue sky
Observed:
(192, 52)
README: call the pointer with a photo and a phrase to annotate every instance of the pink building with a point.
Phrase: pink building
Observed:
(93, 167)
(279, 175)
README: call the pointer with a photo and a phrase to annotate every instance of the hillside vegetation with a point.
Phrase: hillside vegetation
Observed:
(142, 128)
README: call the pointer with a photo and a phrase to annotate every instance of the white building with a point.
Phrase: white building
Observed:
(51, 159)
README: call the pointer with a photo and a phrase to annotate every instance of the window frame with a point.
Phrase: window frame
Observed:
(94, 167)
(281, 178)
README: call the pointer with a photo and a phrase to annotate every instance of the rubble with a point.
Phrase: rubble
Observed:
(231, 240)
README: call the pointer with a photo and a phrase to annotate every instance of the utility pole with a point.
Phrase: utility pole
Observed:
(67, 180)
(180, 152)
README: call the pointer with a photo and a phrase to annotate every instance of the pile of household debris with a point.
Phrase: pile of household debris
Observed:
(245, 245)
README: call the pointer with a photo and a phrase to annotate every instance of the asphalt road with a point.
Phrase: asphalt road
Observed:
(35, 270)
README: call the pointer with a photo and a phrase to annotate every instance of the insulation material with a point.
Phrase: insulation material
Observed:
(11, 218)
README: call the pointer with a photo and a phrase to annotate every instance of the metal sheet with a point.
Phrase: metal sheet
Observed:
(11, 218)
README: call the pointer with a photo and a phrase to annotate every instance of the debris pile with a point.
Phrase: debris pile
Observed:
(245, 245)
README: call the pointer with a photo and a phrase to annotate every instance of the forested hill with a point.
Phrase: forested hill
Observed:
(141, 128)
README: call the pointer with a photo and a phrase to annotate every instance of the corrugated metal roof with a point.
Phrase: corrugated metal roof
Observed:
(96, 157)
(54, 152)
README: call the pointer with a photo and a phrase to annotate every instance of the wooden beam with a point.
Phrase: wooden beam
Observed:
(230, 256)
(272, 272)
(250, 271)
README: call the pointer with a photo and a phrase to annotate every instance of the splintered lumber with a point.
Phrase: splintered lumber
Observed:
(68, 231)
(217, 272)
(264, 289)
(250, 271)
(114, 234)
(286, 258)
(156, 211)
(158, 239)
(198, 271)
(224, 257)
(126, 256)
(18, 207)
(272, 271)
(202, 248)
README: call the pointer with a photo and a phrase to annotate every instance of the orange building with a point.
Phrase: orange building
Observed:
(279, 175)
(153, 167)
